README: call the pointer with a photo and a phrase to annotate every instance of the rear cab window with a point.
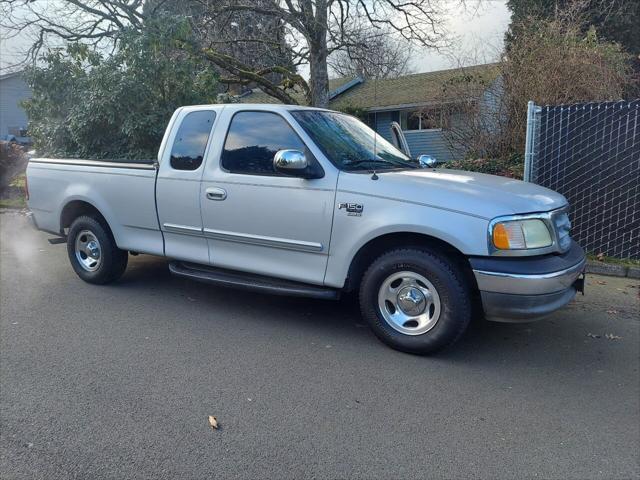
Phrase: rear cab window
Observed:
(187, 151)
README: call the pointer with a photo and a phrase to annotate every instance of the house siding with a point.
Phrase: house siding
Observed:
(430, 142)
(434, 142)
(13, 90)
(421, 142)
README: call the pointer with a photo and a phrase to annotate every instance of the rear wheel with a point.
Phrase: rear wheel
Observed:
(415, 300)
(93, 252)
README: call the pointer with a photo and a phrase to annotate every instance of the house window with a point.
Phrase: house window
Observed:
(423, 119)
(18, 131)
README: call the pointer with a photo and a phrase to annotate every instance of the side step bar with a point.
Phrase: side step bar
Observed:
(57, 240)
(249, 281)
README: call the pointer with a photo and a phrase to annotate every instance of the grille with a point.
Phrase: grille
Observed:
(562, 224)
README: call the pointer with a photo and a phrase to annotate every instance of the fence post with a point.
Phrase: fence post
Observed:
(529, 142)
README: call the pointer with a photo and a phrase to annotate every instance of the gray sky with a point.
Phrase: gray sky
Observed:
(477, 39)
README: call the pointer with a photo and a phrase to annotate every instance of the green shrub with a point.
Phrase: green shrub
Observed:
(13, 161)
(86, 104)
(512, 167)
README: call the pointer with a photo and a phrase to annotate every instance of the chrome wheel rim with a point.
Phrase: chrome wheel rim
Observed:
(88, 251)
(409, 303)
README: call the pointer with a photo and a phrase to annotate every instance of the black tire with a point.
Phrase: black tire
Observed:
(450, 284)
(113, 261)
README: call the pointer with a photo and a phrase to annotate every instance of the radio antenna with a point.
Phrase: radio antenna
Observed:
(375, 125)
(375, 117)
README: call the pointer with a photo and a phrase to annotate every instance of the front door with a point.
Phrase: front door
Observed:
(257, 220)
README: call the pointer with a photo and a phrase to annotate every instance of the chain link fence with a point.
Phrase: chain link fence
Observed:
(590, 153)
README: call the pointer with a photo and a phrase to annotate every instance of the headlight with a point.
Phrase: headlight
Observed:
(521, 234)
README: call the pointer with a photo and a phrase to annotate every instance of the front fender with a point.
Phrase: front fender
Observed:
(350, 233)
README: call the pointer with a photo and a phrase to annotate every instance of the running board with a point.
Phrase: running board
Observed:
(57, 240)
(250, 281)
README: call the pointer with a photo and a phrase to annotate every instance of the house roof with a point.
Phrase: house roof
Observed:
(409, 90)
(336, 85)
(390, 93)
(6, 76)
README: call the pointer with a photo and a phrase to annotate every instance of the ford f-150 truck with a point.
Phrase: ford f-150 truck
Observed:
(309, 202)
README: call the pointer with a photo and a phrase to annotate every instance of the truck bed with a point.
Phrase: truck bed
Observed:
(122, 190)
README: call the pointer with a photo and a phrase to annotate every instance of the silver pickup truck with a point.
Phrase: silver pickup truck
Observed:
(308, 202)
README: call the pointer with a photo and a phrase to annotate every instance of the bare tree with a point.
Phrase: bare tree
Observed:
(373, 54)
(312, 30)
(551, 62)
(95, 22)
(317, 28)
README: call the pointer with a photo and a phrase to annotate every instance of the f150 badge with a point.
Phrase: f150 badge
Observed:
(353, 209)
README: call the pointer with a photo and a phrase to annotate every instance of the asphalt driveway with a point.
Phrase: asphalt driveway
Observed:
(118, 381)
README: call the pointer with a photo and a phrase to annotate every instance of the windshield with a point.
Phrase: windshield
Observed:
(350, 144)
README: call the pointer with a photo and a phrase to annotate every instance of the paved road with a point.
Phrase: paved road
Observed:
(118, 381)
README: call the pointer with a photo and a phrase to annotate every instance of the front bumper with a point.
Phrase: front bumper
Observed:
(526, 288)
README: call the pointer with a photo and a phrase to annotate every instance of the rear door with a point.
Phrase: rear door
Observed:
(178, 184)
(258, 220)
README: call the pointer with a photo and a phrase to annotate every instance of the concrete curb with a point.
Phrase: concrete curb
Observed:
(612, 270)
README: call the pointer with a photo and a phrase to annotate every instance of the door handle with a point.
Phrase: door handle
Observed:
(215, 193)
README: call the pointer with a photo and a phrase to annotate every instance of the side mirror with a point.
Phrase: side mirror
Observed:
(295, 164)
(427, 161)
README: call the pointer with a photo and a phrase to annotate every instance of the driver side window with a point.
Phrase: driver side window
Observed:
(253, 140)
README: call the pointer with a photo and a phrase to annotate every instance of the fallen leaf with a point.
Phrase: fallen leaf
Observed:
(592, 335)
(213, 422)
(601, 282)
(611, 336)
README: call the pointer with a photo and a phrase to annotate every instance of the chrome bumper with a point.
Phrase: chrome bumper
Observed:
(512, 296)
(518, 284)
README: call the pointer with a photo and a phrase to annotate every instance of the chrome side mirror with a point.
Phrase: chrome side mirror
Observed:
(294, 163)
(290, 161)
(427, 161)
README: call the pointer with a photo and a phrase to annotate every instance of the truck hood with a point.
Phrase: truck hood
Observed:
(476, 194)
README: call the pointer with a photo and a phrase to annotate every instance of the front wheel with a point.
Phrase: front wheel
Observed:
(415, 300)
(93, 252)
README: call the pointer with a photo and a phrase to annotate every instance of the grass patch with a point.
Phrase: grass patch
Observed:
(19, 181)
(13, 203)
(627, 262)
(13, 195)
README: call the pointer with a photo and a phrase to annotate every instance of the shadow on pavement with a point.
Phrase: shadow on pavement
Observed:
(560, 339)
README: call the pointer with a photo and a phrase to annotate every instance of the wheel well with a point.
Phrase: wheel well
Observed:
(77, 208)
(384, 243)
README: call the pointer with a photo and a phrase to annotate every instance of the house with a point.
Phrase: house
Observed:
(420, 103)
(13, 118)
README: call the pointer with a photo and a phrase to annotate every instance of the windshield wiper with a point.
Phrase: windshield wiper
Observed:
(376, 163)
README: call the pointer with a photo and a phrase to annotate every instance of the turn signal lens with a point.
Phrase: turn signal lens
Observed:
(500, 237)
(521, 235)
